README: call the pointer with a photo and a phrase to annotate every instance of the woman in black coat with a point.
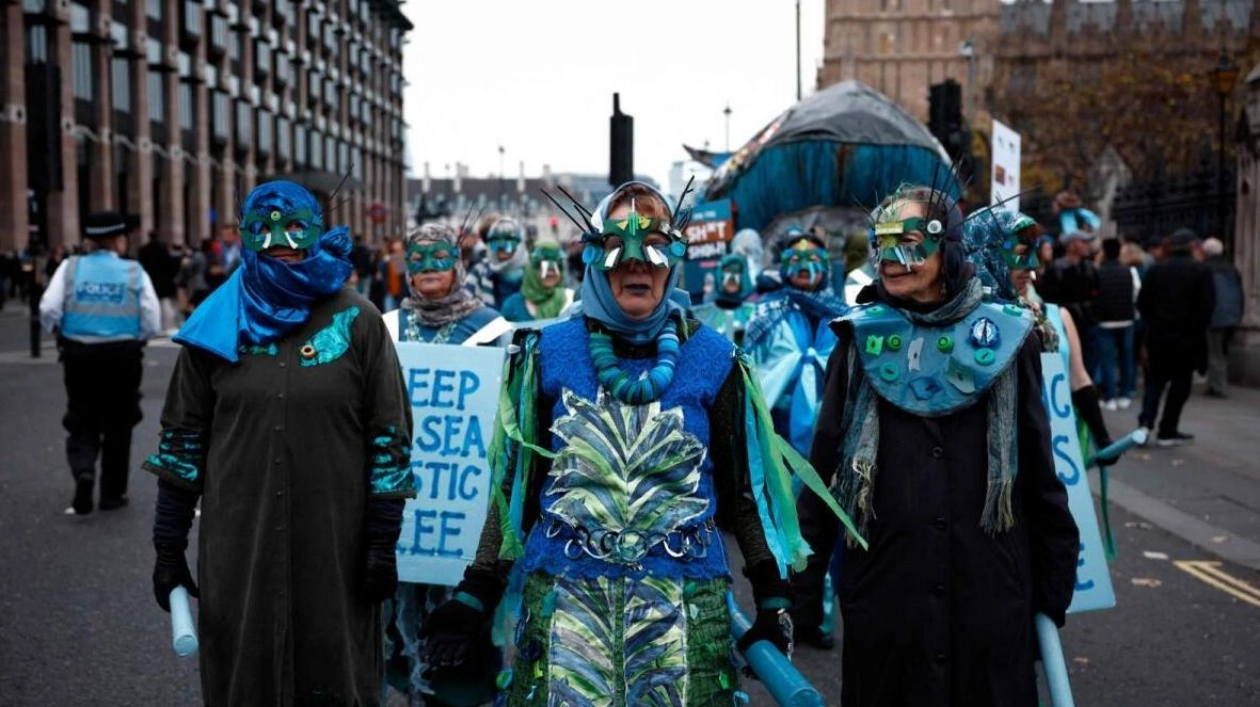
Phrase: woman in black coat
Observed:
(933, 437)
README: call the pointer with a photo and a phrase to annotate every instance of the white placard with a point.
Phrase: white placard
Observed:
(1004, 175)
(454, 393)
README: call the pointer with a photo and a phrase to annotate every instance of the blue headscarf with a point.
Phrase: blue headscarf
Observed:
(599, 303)
(265, 299)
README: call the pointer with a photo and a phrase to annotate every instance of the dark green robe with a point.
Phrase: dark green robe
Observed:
(297, 437)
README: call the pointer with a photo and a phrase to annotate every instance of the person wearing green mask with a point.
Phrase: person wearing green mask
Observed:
(543, 294)
(728, 310)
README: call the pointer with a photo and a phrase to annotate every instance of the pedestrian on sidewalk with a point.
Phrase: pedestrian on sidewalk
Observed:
(953, 485)
(1115, 307)
(102, 309)
(1177, 303)
(1226, 315)
(156, 259)
(288, 418)
(1072, 283)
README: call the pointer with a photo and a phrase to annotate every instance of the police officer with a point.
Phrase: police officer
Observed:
(102, 309)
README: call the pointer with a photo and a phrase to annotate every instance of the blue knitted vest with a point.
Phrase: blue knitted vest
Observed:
(693, 548)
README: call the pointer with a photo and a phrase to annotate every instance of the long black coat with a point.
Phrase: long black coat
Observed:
(938, 612)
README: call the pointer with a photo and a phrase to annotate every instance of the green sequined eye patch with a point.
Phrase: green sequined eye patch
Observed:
(431, 257)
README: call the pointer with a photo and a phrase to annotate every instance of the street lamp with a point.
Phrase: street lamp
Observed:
(727, 112)
(1223, 77)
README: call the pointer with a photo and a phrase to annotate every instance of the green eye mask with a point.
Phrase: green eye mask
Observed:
(623, 240)
(431, 257)
(547, 260)
(888, 240)
(260, 231)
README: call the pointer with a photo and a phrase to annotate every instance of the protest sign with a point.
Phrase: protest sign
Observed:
(454, 394)
(1093, 581)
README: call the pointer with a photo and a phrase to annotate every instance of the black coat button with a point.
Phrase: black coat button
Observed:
(939, 589)
(939, 523)
(940, 658)
(937, 452)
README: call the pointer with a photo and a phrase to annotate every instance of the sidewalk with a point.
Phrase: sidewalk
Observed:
(1207, 493)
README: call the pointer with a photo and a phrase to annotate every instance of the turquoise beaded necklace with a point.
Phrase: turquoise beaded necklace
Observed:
(647, 388)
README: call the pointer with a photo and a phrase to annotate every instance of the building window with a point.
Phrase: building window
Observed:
(265, 125)
(330, 151)
(262, 56)
(317, 151)
(244, 124)
(81, 56)
(120, 77)
(185, 106)
(157, 97)
(192, 18)
(219, 32)
(234, 46)
(219, 117)
(299, 143)
(154, 9)
(282, 137)
(356, 164)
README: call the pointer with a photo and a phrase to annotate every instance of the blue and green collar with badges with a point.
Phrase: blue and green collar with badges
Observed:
(935, 371)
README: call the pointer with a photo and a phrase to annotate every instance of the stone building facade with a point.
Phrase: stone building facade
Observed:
(901, 47)
(170, 110)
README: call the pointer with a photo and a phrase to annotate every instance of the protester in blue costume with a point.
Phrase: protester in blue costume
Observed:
(500, 274)
(630, 435)
(288, 418)
(543, 295)
(1003, 246)
(790, 339)
(437, 310)
(728, 312)
(933, 437)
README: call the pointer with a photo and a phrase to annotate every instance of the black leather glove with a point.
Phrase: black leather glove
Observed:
(452, 631)
(1085, 401)
(773, 595)
(381, 525)
(773, 625)
(172, 519)
(380, 575)
(170, 571)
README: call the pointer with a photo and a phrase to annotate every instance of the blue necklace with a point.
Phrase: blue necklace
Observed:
(647, 388)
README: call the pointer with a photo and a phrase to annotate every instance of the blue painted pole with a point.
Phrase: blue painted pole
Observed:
(1136, 438)
(183, 634)
(1052, 661)
(782, 680)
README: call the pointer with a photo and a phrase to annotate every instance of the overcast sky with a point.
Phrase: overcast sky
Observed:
(537, 77)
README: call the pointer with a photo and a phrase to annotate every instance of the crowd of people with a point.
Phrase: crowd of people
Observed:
(885, 443)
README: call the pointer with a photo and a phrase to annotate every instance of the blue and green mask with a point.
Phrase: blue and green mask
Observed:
(908, 242)
(505, 236)
(547, 259)
(438, 256)
(804, 256)
(280, 213)
(1019, 246)
(636, 237)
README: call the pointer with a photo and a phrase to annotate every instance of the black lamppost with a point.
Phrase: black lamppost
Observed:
(1223, 77)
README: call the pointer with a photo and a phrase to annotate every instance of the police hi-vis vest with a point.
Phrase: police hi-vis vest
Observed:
(102, 299)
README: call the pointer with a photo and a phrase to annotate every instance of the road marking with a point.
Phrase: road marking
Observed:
(1212, 574)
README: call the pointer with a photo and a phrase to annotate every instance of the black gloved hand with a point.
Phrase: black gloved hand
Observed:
(452, 630)
(170, 571)
(380, 574)
(773, 625)
(381, 525)
(1085, 401)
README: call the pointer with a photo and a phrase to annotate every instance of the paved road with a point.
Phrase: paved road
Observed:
(78, 625)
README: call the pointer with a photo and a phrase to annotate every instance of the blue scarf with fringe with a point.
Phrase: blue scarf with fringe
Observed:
(266, 299)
